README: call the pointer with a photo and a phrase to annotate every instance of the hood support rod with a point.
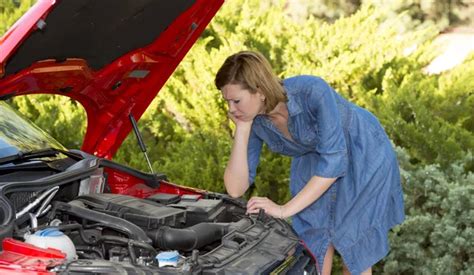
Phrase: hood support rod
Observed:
(140, 140)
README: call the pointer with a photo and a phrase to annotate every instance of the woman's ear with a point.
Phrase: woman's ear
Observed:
(261, 95)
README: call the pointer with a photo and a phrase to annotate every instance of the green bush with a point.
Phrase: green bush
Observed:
(11, 10)
(60, 116)
(415, 13)
(430, 116)
(437, 236)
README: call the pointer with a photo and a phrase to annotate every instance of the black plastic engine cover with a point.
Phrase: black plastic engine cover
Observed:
(144, 213)
(202, 210)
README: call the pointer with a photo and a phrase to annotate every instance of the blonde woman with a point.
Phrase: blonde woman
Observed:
(344, 182)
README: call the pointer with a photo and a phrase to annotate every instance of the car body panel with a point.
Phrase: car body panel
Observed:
(109, 92)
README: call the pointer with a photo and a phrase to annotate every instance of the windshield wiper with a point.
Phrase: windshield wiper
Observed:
(22, 156)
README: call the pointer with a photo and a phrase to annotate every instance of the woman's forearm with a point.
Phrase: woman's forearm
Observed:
(315, 187)
(236, 175)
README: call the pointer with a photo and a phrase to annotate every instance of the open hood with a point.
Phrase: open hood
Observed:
(112, 56)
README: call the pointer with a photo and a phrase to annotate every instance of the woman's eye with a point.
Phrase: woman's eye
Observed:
(236, 101)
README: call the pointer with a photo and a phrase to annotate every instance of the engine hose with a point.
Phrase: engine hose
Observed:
(32, 205)
(193, 237)
(69, 227)
(127, 242)
(131, 230)
(61, 227)
(132, 254)
(91, 249)
(131, 244)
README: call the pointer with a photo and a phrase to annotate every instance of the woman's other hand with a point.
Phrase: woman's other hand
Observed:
(239, 122)
(256, 203)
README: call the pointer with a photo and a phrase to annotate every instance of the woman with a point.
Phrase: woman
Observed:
(344, 182)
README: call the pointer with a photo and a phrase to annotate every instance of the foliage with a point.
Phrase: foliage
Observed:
(200, 160)
(365, 58)
(430, 116)
(415, 13)
(62, 117)
(10, 11)
(437, 236)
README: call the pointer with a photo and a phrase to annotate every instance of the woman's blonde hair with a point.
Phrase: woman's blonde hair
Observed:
(252, 71)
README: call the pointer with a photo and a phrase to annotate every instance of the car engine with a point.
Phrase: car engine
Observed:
(158, 232)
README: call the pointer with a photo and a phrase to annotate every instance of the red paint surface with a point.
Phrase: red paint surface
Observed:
(107, 108)
(21, 258)
(126, 184)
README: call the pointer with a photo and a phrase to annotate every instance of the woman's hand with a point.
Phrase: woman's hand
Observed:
(256, 203)
(239, 123)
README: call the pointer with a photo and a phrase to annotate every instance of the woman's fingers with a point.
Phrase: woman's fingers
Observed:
(254, 200)
(233, 118)
(256, 203)
(240, 122)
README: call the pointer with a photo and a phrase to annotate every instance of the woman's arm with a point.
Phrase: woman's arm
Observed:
(236, 175)
(315, 187)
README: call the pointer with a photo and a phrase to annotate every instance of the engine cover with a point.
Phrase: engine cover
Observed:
(144, 213)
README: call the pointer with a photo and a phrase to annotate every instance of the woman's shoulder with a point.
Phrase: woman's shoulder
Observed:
(303, 80)
(303, 83)
(305, 86)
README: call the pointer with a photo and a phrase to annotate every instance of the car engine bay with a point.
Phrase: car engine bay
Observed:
(83, 211)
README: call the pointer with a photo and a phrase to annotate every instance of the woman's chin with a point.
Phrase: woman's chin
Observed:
(246, 119)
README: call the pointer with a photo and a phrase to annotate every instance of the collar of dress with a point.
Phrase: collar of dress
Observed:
(294, 107)
(292, 104)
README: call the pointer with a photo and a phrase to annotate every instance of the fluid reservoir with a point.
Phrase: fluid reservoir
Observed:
(53, 238)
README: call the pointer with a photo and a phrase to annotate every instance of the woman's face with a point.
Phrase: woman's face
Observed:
(243, 105)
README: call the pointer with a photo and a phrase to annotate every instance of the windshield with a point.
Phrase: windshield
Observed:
(17, 134)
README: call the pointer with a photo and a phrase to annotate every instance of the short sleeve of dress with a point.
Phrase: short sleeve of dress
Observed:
(253, 155)
(331, 144)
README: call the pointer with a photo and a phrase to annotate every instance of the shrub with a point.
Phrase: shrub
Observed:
(437, 236)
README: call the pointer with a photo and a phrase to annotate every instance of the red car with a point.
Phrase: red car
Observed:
(76, 211)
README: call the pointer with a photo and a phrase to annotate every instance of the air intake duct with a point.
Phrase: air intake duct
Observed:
(193, 237)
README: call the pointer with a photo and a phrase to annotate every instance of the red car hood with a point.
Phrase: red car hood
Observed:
(112, 56)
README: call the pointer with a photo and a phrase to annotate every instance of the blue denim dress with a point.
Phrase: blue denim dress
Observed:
(334, 138)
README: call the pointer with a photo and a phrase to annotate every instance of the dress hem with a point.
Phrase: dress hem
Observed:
(372, 247)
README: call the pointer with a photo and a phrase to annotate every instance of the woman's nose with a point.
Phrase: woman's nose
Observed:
(231, 107)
